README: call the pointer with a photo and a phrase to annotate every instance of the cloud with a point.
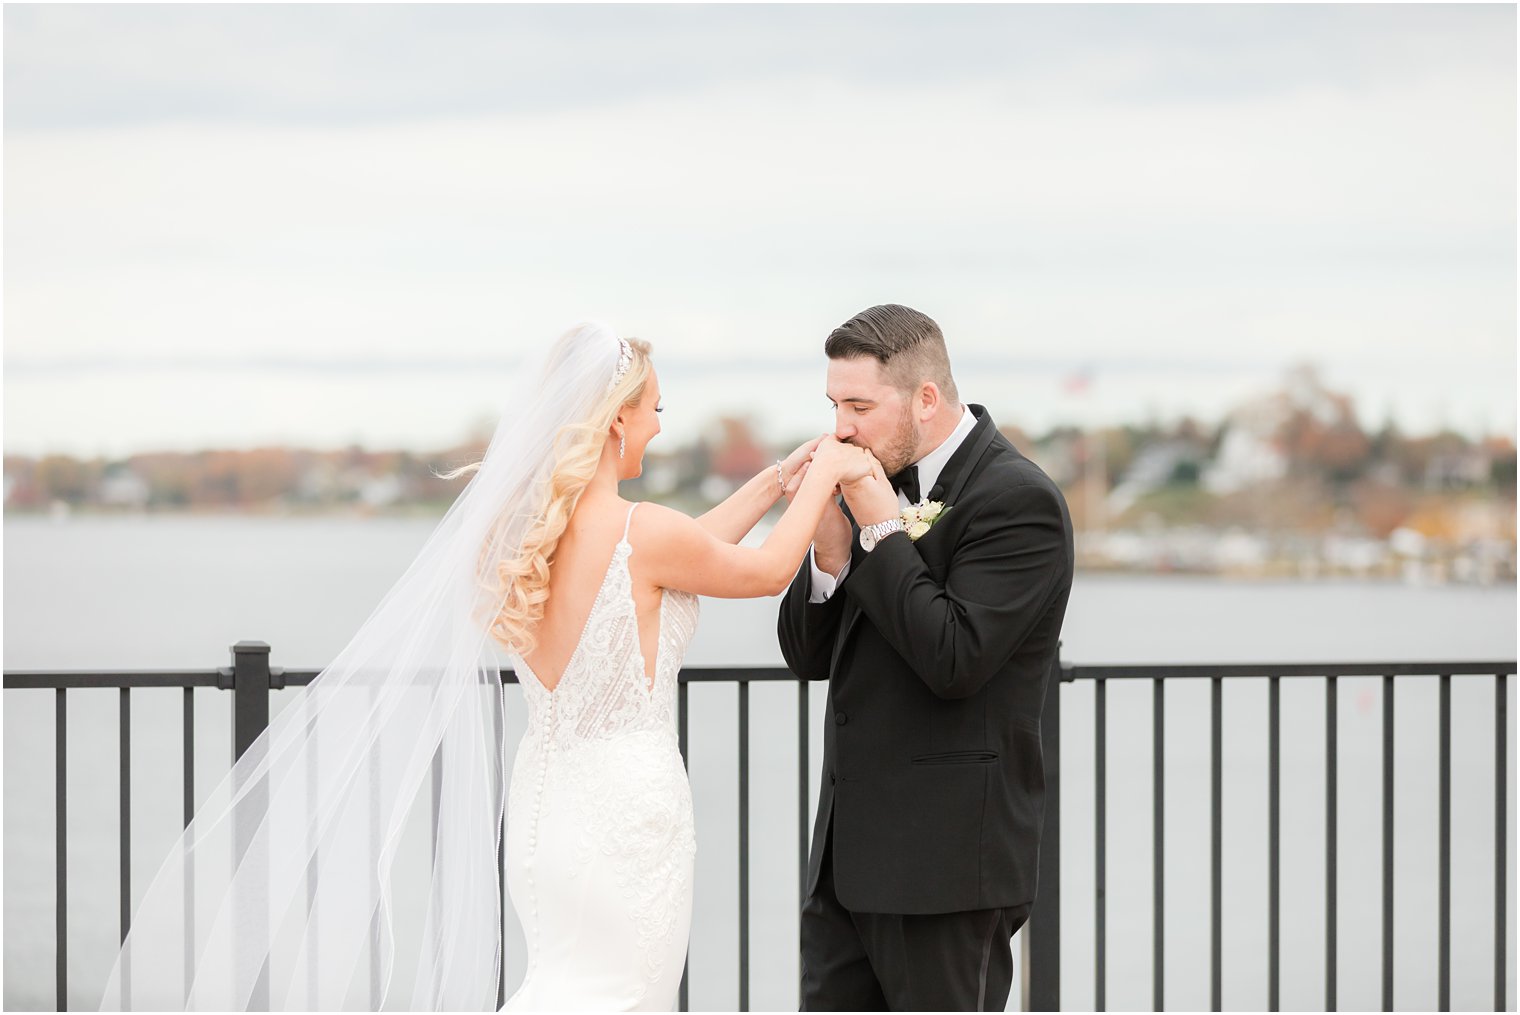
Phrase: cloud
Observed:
(69, 65)
(1246, 186)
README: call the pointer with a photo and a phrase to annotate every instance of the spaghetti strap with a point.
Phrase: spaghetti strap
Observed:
(629, 524)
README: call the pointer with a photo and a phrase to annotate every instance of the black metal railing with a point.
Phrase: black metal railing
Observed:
(251, 678)
(1159, 676)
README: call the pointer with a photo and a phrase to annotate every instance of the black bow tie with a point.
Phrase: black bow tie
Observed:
(906, 483)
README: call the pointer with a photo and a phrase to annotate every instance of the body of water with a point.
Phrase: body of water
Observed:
(177, 592)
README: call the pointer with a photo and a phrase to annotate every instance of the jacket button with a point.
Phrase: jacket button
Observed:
(840, 718)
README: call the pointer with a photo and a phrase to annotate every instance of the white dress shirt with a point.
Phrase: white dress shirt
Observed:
(929, 468)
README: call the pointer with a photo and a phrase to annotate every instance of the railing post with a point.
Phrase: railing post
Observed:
(1042, 935)
(250, 694)
(250, 717)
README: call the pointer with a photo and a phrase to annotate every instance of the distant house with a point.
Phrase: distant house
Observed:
(380, 491)
(1249, 454)
(1154, 466)
(1458, 468)
(122, 487)
(1261, 439)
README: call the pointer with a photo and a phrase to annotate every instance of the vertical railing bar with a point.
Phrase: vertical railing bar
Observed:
(250, 719)
(1274, 830)
(681, 711)
(435, 807)
(1332, 819)
(1216, 842)
(60, 832)
(802, 803)
(435, 782)
(313, 779)
(1040, 949)
(187, 723)
(499, 726)
(1158, 829)
(124, 846)
(743, 845)
(681, 724)
(374, 864)
(1443, 961)
(501, 910)
(124, 826)
(802, 793)
(1388, 746)
(1501, 845)
(1100, 914)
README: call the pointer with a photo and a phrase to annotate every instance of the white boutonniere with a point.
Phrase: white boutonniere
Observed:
(918, 519)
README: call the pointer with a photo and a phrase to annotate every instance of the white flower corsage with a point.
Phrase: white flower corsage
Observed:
(917, 520)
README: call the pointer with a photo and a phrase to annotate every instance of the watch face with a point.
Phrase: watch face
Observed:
(867, 540)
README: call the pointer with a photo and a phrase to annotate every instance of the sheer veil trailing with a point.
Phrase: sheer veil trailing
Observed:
(283, 891)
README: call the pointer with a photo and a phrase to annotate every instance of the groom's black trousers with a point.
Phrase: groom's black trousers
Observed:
(886, 962)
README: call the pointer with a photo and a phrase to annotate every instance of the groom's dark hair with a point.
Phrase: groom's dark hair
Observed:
(907, 344)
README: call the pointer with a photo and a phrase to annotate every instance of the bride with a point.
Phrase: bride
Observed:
(600, 838)
(280, 893)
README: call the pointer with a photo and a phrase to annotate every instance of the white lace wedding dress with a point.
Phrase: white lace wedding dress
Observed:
(601, 843)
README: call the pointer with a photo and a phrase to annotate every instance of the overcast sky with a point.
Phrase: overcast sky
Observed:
(233, 225)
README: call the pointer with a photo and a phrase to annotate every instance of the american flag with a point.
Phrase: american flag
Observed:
(1078, 381)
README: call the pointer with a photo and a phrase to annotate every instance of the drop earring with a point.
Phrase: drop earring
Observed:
(622, 445)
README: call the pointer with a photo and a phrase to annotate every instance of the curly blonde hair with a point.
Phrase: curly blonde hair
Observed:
(519, 579)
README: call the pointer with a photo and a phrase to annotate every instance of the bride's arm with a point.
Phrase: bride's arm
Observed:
(679, 553)
(731, 520)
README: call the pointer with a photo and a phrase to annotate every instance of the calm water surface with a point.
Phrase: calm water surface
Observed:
(176, 592)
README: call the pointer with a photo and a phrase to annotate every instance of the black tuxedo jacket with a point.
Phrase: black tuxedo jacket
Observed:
(937, 654)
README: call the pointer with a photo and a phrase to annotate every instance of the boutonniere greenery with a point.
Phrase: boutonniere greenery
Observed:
(918, 519)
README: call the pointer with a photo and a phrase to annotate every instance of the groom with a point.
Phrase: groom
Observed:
(936, 642)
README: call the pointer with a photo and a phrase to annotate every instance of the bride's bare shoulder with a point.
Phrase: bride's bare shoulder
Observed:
(657, 521)
(598, 513)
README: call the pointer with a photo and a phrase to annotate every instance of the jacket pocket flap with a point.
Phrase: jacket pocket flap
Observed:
(956, 758)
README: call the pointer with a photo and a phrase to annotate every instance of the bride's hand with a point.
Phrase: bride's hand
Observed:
(846, 463)
(793, 463)
(795, 483)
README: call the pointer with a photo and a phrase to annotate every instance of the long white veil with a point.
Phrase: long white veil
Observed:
(279, 894)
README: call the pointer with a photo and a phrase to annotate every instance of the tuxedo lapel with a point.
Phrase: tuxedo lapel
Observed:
(962, 465)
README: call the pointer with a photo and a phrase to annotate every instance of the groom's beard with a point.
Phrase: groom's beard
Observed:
(902, 448)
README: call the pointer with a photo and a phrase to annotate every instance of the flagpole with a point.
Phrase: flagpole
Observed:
(1095, 495)
(1095, 476)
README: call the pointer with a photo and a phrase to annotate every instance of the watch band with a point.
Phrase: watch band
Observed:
(870, 535)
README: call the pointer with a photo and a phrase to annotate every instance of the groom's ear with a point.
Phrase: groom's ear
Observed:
(929, 400)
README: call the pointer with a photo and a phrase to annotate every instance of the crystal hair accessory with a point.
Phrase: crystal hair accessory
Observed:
(625, 360)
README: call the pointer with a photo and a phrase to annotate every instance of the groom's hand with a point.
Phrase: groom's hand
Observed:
(871, 498)
(831, 540)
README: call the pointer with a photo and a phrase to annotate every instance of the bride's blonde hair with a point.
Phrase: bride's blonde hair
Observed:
(521, 575)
